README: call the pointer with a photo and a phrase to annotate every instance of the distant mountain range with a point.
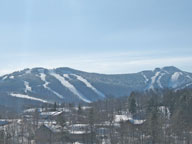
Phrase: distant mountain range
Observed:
(40, 85)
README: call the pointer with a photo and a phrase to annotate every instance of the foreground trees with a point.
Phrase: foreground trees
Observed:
(148, 118)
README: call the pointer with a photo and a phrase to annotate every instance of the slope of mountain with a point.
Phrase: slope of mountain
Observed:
(39, 85)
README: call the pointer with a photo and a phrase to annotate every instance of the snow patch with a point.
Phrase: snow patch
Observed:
(54, 113)
(56, 93)
(11, 77)
(175, 76)
(189, 77)
(4, 78)
(165, 111)
(159, 80)
(27, 97)
(66, 76)
(153, 79)
(174, 79)
(119, 118)
(27, 87)
(89, 85)
(46, 83)
(78, 128)
(145, 77)
(31, 110)
(28, 71)
(187, 85)
(68, 85)
(42, 77)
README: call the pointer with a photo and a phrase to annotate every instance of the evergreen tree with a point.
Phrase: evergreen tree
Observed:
(91, 125)
(79, 109)
(132, 103)
(132, 106)
(55, 106)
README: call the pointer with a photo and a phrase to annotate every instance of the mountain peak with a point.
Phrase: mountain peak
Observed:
(157, 69)
(171, 69)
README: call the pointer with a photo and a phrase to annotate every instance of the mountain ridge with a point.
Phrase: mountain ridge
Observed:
(65, 84)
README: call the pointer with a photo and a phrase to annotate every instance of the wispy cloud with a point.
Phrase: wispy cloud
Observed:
(109, 63)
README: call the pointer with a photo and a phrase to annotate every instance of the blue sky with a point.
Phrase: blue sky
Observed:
(106, 36)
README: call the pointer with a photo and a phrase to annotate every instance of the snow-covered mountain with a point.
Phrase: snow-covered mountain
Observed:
(68, 85)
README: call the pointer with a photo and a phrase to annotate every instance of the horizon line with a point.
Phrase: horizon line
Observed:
(53, 68)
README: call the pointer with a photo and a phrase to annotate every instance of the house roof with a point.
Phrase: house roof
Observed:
(3, 122)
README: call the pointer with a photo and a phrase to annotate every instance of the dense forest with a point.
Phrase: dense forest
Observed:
(167, 117)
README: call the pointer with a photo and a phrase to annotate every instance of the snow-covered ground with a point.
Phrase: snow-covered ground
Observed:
(27, 97)
(119, 118)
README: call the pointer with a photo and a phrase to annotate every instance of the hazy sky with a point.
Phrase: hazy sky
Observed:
(106, 36)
